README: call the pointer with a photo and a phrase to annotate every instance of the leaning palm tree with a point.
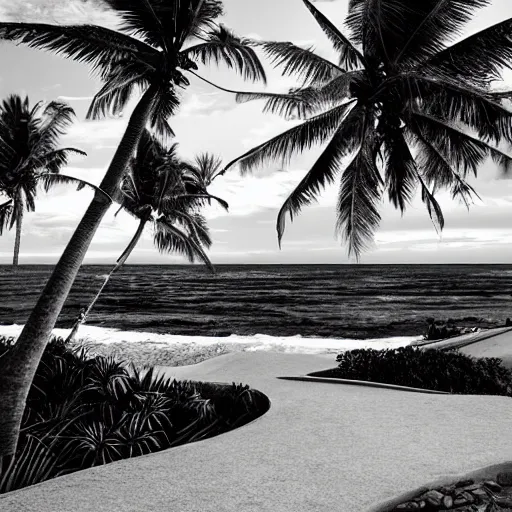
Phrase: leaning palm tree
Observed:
(160, 42)
(167, 193)
(401, 108)
(29, 156)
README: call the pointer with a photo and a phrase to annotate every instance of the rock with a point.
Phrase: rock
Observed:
(407, 507)
(432, 498)
(463, 498)
(471, 487)
(447, 502)
(464, 483)
(479, 493)
(504, 501)
(505, 478)
(493, 486)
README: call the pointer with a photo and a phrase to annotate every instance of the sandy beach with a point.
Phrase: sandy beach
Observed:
(147, 348)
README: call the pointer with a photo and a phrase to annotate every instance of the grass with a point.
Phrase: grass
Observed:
(87, 411)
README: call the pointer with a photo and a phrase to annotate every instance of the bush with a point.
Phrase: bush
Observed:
(83, 412)
(433, 369)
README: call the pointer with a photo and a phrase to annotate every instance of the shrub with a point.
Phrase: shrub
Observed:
(83, 412)
(432, 369)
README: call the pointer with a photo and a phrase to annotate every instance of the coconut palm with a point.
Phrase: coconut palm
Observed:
(165, 192)
(159, 43)
(29, 155)
(410, 108)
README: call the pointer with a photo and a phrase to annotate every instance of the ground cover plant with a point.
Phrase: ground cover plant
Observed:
(85, 411)
(438, 370)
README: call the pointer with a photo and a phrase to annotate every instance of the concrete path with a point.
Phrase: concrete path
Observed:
(497, 346)
(466, 339)
(321, 447)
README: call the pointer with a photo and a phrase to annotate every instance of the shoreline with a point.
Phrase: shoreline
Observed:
(152, 349)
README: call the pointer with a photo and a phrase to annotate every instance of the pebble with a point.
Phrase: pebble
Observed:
(465, 496)
(505, 478)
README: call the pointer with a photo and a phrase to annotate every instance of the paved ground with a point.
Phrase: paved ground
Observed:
(321, 447)
(497, 346)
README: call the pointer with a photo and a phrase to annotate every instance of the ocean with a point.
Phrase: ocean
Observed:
(356, 302)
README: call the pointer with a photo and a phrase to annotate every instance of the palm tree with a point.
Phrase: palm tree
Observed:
(29, 155)
(166, 192)
(401, 108)
(160, 42)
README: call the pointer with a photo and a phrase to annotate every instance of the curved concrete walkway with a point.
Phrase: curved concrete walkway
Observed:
(321, 447)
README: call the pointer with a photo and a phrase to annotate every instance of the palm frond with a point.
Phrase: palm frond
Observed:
(196, 225)
(400, 170)
(438, 170)
(324, 171)
(206, 167)
(295, 104)
(359, 195)
(192, 199)
(120, 82)
(473, 107)
(91, 44)
(478, 59)
(350, 57)
(313, 131)
(56, 117)
(53, 161)
(169, 238)
(166, 25)
(302, 63)
(365, 19)
(305, 101)
(223, 46)
(433, 24)
(51, 179)
(433, 207)
(166, 105)
(6, 211)
(465, 151)
(337, 90)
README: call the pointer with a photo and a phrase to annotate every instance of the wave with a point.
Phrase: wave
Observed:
(260, 342)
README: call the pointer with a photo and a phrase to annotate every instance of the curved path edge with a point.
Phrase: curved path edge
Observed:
(329, 380)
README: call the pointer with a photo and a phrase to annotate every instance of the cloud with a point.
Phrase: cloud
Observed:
(96, 134)
(75, 98)
(59, 12)
(250, 194)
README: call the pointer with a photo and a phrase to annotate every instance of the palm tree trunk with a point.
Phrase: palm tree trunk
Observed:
(18, 366)
(19, 223)
(120, 262)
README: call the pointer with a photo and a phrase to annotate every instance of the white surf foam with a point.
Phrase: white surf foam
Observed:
(289, 344)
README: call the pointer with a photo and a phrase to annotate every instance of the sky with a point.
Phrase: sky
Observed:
(210, 120)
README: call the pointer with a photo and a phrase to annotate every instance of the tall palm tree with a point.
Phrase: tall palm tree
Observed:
(403, 107)
(160, 42)
(29, 155)
(166, 192)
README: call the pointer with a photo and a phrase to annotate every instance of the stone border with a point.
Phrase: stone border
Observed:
(486, 473)
(329, 380)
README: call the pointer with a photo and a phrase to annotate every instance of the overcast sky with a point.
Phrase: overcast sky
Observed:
(211, 121)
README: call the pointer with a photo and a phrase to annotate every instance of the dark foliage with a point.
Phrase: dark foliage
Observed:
(85, 411)
(436, 370)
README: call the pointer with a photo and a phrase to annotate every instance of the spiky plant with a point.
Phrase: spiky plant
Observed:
(159, 43)
(403, 107)
(86, 411)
